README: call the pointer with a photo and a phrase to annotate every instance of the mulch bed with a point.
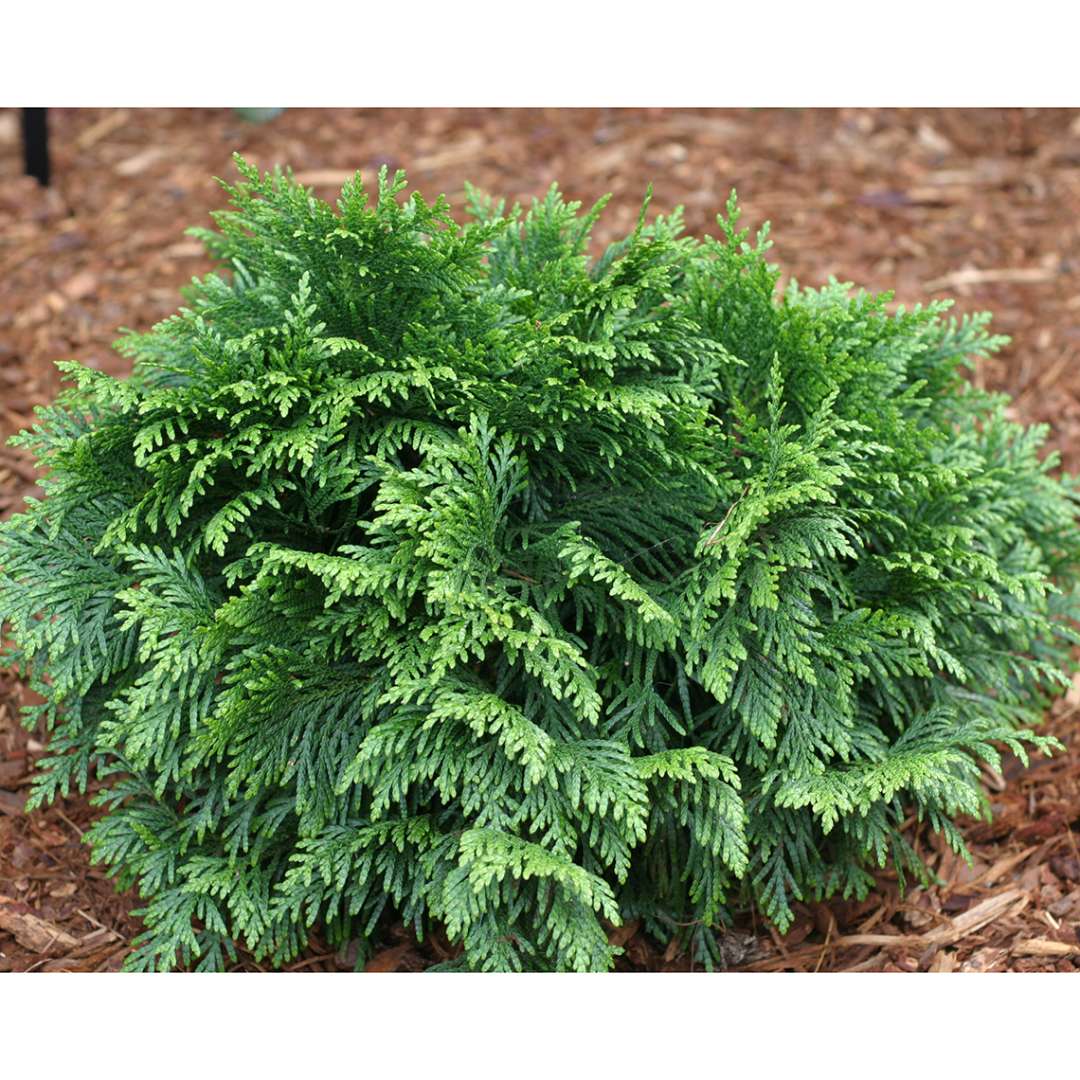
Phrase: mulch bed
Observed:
(983, 205)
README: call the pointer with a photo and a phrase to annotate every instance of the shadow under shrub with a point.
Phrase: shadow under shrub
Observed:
(448, 572)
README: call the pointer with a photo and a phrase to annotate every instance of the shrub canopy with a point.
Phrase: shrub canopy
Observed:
(451, 573)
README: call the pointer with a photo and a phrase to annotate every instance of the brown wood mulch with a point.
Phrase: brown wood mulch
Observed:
(983, 205)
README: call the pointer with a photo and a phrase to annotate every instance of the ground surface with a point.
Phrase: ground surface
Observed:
(983, 206)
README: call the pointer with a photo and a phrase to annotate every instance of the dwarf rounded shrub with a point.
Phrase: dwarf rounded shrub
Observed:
(452, 574)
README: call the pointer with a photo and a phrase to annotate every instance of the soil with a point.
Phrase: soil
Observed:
(981, 205)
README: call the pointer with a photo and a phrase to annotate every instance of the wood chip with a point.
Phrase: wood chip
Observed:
(93, 941)
(141, 161)
(322, 178)
(1045, 947)
(80, 286)
(883, 940)
(185, 249)
(110, 122)
(32, 932)
(65, 963)
(465, 152)
(1062, 907)
(932, 139)
(1017, 275)
(11, 772)
(716, 126)
(993, 907)
(944, 961)
(992, 174)
(1002, 867)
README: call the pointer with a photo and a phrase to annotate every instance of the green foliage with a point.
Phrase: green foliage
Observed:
(450, 573)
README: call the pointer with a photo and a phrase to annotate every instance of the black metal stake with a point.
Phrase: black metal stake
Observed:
(35, 132)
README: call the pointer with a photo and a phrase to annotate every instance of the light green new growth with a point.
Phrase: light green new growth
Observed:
(450, 574)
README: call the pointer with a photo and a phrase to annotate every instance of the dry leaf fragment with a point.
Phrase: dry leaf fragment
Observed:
(388, 959)
(622, 934)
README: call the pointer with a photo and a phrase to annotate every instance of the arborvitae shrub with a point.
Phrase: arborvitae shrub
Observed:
(452, 574)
